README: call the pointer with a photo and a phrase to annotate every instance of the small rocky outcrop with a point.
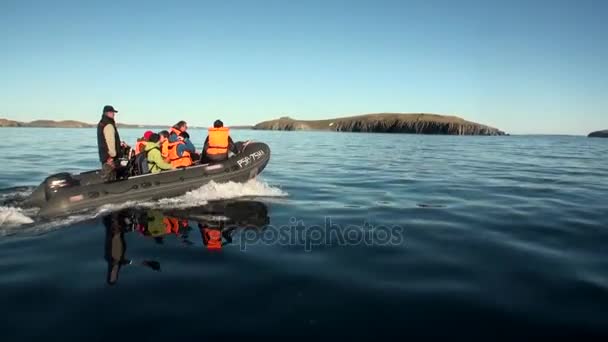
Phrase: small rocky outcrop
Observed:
(599, 134)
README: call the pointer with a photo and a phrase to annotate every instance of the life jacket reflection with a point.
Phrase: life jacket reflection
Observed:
(173, 225)
(218, 141)
(156, 224)
(212, 238)
(174, 158)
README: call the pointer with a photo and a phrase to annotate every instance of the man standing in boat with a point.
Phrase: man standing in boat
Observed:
(108, 142)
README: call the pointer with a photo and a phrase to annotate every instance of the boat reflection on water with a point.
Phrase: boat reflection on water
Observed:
(216, 222)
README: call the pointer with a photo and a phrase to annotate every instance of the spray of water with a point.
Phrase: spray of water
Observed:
(12, 217)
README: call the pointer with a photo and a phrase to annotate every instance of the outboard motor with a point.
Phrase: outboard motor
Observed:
(57, 182)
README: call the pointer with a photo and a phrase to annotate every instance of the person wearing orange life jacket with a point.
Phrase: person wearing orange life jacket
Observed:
(181, 152)
(176, 130)
(140, 145)
(164, 144)
(179, 147)
(218, 143)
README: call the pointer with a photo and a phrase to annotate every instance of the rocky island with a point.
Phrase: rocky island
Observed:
(599, 134)
(385, 123)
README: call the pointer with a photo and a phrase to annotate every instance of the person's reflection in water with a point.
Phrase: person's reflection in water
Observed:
(160, 225)
(116, 225)
(224, 218)
(215, 235)
(217, 222)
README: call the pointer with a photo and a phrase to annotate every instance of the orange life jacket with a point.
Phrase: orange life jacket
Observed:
(140, 145)
(218, 141)
(175, 131)
(213, 238)
(174, 158)
(164, 150)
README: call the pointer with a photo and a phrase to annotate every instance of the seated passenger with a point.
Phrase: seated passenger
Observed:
(193, 154)
(180, 150)
(141, 142)
(156, 162)
(164, 144)
(177, 129)
(218, 143)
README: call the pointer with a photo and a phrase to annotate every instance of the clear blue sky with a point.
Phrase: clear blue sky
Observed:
(522, 66)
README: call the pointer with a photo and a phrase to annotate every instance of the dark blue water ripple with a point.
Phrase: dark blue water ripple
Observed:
(501, 236)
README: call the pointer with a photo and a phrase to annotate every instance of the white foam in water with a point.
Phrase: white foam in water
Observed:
(108, 208)
(12, 217)
(201, 196)
(216, 191)
(214, 218)
(15, 195)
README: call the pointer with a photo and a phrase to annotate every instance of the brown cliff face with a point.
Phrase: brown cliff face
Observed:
(386, 123)
(599, 134)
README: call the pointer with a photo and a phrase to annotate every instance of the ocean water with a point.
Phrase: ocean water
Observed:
(342, 235)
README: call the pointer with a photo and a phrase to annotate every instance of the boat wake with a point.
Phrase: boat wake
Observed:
(214, 191)
(12, 196)
(10, 214)
(14, 219)
(11, 217)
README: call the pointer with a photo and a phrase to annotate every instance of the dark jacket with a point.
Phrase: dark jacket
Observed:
(101, 140)
(115, 246)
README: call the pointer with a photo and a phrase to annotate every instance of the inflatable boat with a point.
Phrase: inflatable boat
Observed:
(66, 193)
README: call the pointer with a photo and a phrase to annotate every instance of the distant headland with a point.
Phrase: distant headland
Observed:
(385, 123)
(79, 124)
(45, 123)
(599, 134)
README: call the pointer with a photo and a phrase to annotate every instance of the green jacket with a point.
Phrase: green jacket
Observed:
(156, 163)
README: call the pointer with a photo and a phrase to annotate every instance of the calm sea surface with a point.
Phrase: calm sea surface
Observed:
(342, 235)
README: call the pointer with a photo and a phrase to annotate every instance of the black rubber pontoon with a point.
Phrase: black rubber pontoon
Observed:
(65, 193)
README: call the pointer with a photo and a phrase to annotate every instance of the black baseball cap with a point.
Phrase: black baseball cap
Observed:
(109, 108)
